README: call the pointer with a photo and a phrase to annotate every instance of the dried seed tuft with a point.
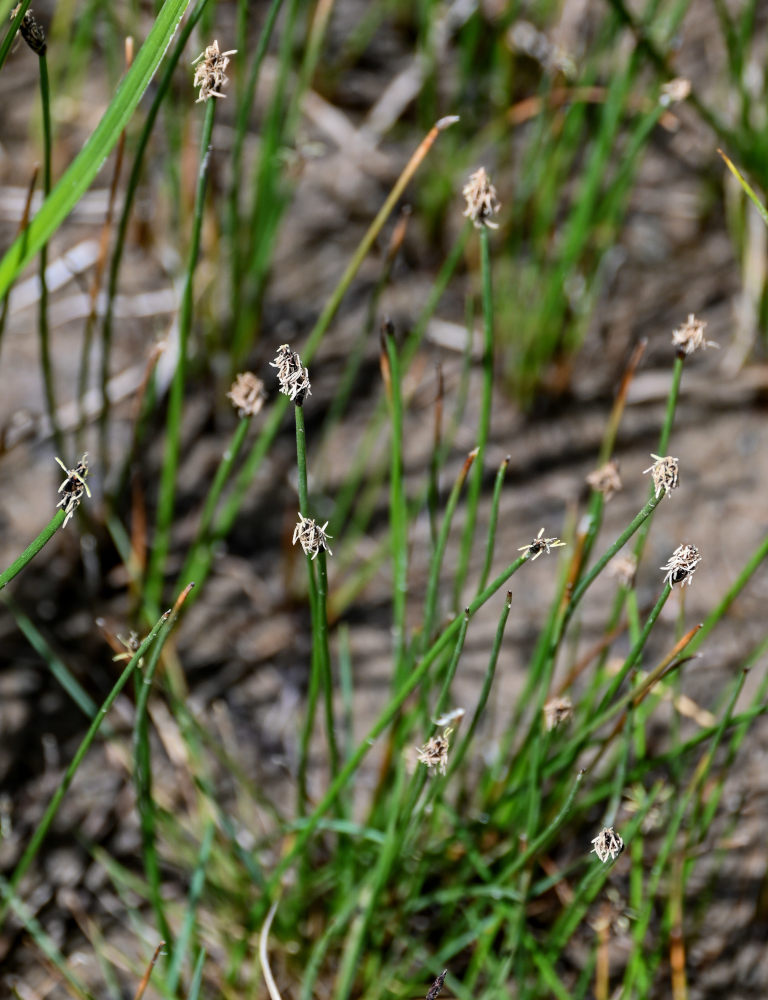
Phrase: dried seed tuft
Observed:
(665, 473)
(73, 487)
(557, 712)
(607, 844)
(690, 336)
(540, 545)
(681, 565)
(209, 75)
(293, 378)
(482, 203)
(31, 30)
(623, 569)
(247, 394)
(436, 987)
(311, 536)
(434, 753)
(606, 479)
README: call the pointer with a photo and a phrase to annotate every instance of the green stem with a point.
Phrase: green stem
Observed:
(476, 480)
(167, 495)
(33, 548)
(43, 330)
(398, 512)
(489, 547)
(458, 755)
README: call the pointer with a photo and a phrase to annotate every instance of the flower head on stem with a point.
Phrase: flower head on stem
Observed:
(540, 545)
(665, 473)
(311, 536)
(690, 336)
(247, 394)
(607, 844)
(681, 565)
(74, 487)
(482, 203)
(293, 378)
(31, 30)
(209, 74)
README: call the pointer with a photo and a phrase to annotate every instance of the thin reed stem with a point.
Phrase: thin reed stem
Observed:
(398, 512)
(33, 548)
(173, 431)
(484, 426)
(46, 363)
(492, 522)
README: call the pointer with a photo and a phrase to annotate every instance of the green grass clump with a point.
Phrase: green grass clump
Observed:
(445, 837)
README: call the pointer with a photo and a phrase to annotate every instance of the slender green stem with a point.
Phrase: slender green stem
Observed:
(46, 364)
(196, 885)
(144, 800)
(33, 548)
(398, 511)
(459, 753)
(173, 431)
(430, 601)
(476, 480)
(490, 544)
(34, 843)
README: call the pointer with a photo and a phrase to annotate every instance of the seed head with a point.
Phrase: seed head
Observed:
(247, 394)
(623, 568)
(674, 91)
(607, 844)
(682, 565)
(209, 75)
(690, 336)
(434, 753)
(606, 479)
(540, 545)
(31, 30)
(311, 536)
(293, 378)
(436, 988)
(557, 712)
(481, 199)
(73, 487)
(665, 473)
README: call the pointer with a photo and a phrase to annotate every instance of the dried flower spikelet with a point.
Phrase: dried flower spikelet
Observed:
(540, 545)
(557, 712)
(209, 75)
(675, 91)
(434, 753)
(311, 536)
(31, 30)
(606, 479)
(247, 394)
(681, 565)
(481, 199)
(293, 378)
(436, 988)
(74, 487)
(607, 844)
(623, 569)
(690, 336)
(666, 474)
